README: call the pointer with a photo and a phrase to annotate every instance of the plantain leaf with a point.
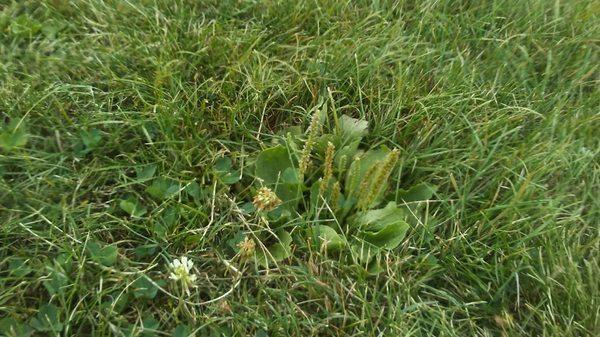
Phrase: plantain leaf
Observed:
(388, 237)
(377, 219)
(290, 176)
(410, 200)
(363, 251)
(322, 142)
(277, 251)
(359, 168)
(419, 192)
(352, 128)
(223, 169)
(315, 198)
(348, 152)
(383, 228)
(329, 238)
(149, 326)
(277, 171)
(271, 163)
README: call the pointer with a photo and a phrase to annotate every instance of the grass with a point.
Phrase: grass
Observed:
(495, 102)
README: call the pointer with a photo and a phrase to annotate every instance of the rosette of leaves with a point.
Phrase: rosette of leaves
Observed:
(340, 189)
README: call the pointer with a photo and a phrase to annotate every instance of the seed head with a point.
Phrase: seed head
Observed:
(266, 199)
(335, 195)
(328, 170)
(313, 131)
(379, 181)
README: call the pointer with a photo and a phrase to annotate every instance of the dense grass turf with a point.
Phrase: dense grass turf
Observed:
(496, 102)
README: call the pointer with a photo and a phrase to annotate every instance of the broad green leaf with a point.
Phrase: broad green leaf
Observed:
(146, 172)
(194, 239)
(170, 216)
(106, 255)
(163, 188)
(290, 194)
(271, 163)
(294, 130)
(329, 237)
(182, 330)
(223, 170)
(248, 208)
(357, 173)
(322, 142)
(230, 178)
(172, 190)
(132, 208)
(374, 267)
(222, 165)
(24, 26)
(419, 192)
(352, 129)
(194, 190)
(348, 152)
(47, 319)
(56, 281)
(384, 228)
(363, 252)
(91, 139)
(65, 262)
(377, 219)
(388, 237)
(278, 216)
(160, 230)
(13, 136)
(277, 251)
(271, 166)
(290, 176)
(410, 200)
(10, 327)
(18, 267)
(235, 240)
(143, 288)
(116, 301)
(149, 326)
(145, 250)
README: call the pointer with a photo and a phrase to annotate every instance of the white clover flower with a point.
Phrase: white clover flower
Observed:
(181, 271)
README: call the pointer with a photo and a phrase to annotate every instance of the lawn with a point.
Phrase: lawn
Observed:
(132, 134)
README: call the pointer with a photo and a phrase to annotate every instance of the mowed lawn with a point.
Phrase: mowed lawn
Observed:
(114, 115)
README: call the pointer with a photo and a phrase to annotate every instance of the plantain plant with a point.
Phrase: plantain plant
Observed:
(332, 191)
